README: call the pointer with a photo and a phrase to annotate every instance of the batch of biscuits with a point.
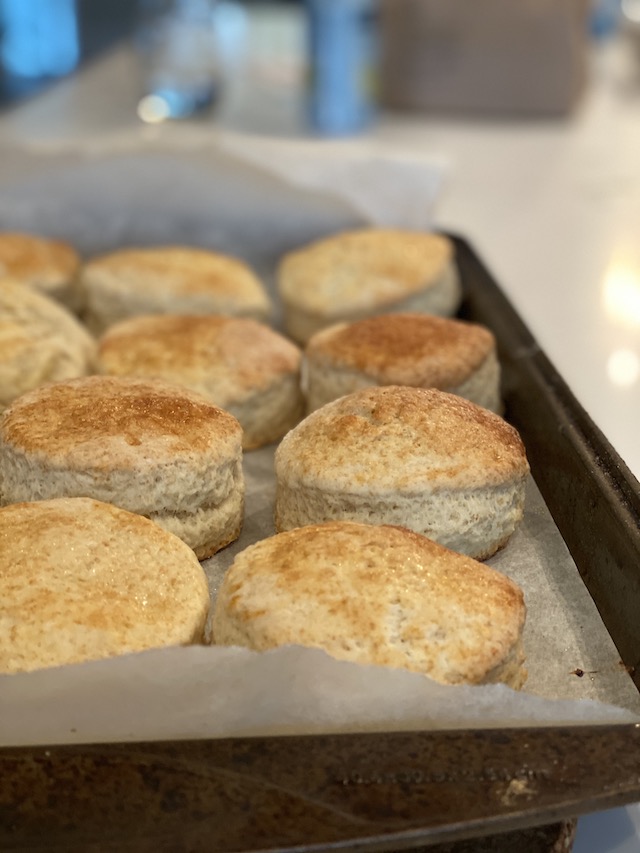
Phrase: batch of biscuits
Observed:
(133, 386)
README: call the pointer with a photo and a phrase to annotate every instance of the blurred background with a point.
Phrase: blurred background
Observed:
(334, 62)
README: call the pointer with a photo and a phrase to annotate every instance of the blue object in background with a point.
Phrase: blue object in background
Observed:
(39, 37)
(342, 64)
(605, 18)
(177, 46)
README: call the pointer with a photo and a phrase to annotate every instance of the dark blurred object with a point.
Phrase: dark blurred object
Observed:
(102, 24)
(42, 41)
(496, 57)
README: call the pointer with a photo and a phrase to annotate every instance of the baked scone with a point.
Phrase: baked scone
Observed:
(403, 349)
(82, 580)
(40, 341)
(50, 266)
(357, 274)
(241, 365)
(417, 457)
(375, 594)
(169, 280)
(144, 445)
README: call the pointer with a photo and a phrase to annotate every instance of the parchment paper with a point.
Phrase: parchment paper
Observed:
(144, 193)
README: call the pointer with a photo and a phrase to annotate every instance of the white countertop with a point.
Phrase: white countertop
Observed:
(553, 208)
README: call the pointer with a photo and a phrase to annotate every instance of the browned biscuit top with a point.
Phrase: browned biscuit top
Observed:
(182, 270)
(378, 594)
(102, 421)
(65, 531)
(204, 350)
(360, 269)
(405, 349)
(82, 579)
(401, 438)
(37, 260)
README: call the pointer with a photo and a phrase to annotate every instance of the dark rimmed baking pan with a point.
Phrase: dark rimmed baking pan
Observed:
(514, 789)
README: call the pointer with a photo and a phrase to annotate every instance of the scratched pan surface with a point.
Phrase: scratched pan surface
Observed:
(359, 792)
(365, 792)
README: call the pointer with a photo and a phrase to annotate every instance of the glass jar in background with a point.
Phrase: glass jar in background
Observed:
(177, 46)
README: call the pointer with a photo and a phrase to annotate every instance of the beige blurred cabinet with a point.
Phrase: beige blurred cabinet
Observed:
(521, 57)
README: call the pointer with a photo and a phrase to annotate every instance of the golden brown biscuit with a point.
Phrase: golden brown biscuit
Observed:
(50, 266)
(241, 365)
(416, 457)
(403, 349)
(40, 341)
(169, 280)
(144, 445)
(81, 580)
(357, 274)
(375, 595)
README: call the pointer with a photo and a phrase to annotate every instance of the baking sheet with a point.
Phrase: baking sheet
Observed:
(212, 198)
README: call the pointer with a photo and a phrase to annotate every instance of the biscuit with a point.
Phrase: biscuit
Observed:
(82, 580)
(357, 274)
(169, 280)
(416, 457)
(144, 445)
(241, 365)
(403, 349)
(375, 594)
(40, 341)
(50, 266)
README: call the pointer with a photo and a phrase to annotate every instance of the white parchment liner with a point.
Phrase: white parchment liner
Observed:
(237, 196)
